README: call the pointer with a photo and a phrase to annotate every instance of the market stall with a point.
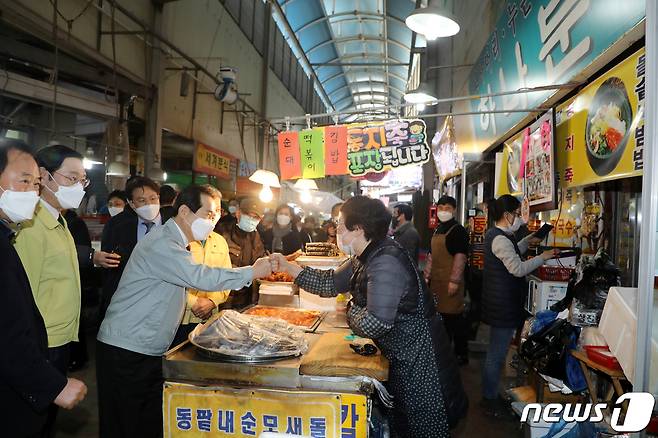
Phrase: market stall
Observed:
(329, 390)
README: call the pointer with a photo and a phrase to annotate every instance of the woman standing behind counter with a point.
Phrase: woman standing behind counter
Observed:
(392, 306)
(504, 291)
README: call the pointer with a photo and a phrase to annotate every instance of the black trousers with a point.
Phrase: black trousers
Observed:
(457, 329)
(59, 357)
(129, 393)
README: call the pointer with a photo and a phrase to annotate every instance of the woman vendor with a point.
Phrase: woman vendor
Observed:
(392, 306)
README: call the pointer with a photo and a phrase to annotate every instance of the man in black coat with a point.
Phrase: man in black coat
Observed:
(124, 230)
(28, 382)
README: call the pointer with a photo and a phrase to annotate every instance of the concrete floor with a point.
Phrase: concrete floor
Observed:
(82, 422)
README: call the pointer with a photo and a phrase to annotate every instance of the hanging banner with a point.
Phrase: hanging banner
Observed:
(538, 170)
(191, 411)
(509, 181)
(289, 158)
(335, 150)
(600, 131)
(444, 150)
(541, 42)
(210, 161)
(380, 146)
(312, 149)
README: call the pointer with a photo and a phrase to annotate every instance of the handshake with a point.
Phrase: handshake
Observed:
(265, 266)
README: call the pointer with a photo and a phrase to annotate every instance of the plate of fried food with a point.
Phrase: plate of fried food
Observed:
(278, 278)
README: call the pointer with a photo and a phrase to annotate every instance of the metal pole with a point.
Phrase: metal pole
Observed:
(462, 201)
(649, 207)
(444, 100)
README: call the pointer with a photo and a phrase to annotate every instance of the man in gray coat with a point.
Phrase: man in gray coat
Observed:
(145, 311)
(404, 231)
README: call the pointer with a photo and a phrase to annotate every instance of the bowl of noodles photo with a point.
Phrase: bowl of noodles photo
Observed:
(608, 126)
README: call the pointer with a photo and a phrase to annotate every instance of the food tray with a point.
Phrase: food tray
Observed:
(308, 328)
(237, 358)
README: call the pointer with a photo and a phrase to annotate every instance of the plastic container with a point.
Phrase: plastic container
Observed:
(619, 328)
(554, 273)
(602, 356)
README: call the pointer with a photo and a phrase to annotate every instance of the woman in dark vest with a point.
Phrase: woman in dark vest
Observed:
(391, 305)
(503, 292)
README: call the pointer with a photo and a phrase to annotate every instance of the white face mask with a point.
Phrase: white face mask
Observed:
(444, 216)
(201, 228)
(516, 225)
(232, 209)
(114, 210)
(18, 206)
(148, 212)
(248, 224)
(69, 197)
(283, 220)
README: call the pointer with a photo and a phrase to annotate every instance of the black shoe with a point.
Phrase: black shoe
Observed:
(497, 409)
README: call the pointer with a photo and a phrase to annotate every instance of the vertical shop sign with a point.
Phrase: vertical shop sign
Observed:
(312, 151)
(335, 150)
(289, 156)
(540, 42)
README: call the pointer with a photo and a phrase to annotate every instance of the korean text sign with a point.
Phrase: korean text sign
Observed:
(212, 162)
(191, 411)
(384, 145)
(600, 131)
(311, 146)
(290, 163)
(541, 42)
(335, 150)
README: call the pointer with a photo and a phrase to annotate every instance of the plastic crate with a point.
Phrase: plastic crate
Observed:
(554, 273)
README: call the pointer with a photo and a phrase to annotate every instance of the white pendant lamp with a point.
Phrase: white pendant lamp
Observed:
(432, 22)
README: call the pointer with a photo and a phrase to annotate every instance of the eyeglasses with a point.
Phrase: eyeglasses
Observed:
(84, 181)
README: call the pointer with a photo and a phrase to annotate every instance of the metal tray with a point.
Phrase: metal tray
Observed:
(237, 358)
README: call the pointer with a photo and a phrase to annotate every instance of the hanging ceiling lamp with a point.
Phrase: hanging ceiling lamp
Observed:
(118, 167)
(432, 22)
(268, 179)
(421, 95)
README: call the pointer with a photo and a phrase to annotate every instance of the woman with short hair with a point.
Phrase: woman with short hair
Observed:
(392, 306)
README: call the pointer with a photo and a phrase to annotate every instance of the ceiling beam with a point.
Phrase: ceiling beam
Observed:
(390, 87)
(354, 39)
(356, 14)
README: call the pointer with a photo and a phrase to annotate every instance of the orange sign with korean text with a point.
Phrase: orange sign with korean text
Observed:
(335, 153)
(289, 156)
(212, 162)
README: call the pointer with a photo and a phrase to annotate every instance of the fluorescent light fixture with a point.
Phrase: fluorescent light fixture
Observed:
(432, 22)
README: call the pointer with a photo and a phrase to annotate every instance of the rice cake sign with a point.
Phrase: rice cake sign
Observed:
(376, 147)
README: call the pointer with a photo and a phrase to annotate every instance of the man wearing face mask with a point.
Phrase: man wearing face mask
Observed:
(444, 269)
(146, 310)
(125, 230)
(201, 305)
(405, 233)
(29, 383)
(282, 237)
(116, 202)
(245, 246)
(50, 256)
(504, 291)
(231, 218)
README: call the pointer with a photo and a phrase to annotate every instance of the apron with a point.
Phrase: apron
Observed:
(441, 271)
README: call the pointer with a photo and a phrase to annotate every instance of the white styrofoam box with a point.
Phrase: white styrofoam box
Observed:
(618, 326)
(279, 300)
(311, 301)
(540, 428)
(273, 289)
(543, 294)
(592, 336)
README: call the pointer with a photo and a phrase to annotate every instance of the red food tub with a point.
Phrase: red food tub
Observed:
(602, 356)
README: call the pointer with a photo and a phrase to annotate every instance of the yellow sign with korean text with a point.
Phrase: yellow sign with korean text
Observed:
(509, 180)
(212, 162)
(191, 411)
(600, 132)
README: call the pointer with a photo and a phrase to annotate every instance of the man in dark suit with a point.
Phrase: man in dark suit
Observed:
(167, 198)
(29, 383)
(124, 230)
